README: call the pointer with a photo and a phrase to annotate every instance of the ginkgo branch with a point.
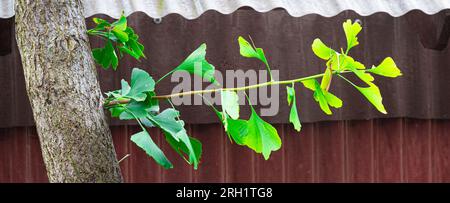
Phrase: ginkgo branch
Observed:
(201, 92)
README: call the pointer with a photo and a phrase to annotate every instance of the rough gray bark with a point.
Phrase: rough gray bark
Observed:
(64, 93)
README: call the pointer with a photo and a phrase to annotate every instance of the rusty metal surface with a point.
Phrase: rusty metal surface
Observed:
(420, 93)
(347, 149)
(380, 150)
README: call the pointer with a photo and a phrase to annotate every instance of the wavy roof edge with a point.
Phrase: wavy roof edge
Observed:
(191, 9)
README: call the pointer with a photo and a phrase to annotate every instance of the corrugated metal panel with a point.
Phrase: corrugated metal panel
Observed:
(420, 93)
(191, 9)
(381, 150)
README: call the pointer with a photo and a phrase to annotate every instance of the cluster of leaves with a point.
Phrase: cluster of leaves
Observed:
(254, 132)
(339, 63)
(119, 38)
(137, 100)
(145, 110)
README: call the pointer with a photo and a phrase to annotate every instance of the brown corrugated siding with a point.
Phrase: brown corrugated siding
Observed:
(422, 91)
(380, 150)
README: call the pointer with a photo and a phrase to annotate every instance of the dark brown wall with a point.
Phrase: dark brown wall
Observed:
(381, 150)
(422, 91)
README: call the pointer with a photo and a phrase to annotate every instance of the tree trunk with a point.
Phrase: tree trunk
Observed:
(64, 93)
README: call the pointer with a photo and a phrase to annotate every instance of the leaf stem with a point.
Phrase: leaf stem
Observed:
(265, 63)
(167, 74)
(347, 80)
(281, 82)
(126, 156)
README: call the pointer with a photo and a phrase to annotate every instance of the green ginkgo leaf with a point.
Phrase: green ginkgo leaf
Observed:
(351, 31)
(247, 50)
(125, 87)
(237, 130)
(332, 100)
(134, 110)
(121, 35)
(230, 106)
(132, 46)
(106, 56)
(337, 62)
(120, 24)
(182, 150)
(326, 79)
(321, 50)
(196, 64)
(261, 136)
(322, 100)
(99, 21)
(254, 133)
(323, 97)
(293, 114)
(366, 77)
(141, 84)
(145, 142)
(230, 103)
(119, 27)
(387, 68)
(372, 93)
(170, 124)
(347, 63)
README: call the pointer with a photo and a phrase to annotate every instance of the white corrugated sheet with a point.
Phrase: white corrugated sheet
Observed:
(191, 9)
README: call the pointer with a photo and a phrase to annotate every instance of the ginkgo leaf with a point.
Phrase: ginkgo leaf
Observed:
(99, 21)
(387, 68)
(134, 110)
(233, 132)
(326, 79)
(336, 62)
(254, 133)
(332, 100)
(119, 27)
(196, 64)
(310, 84)
(183, 151)
(230, 106)
(230, 103)
(145, 142)
(121, 35)
(321, 50)
(132, 46)
(116, 111)
(320, 97)
(237, 130)
(120, 24)
(169, 123)
(247, 50)
(137, 109)
(293, 114)
(125, 87)
(106, 56)
(366, 77)
(323, 97)
(262, 137)
(141, 83)
(372, 93)
(351, 31)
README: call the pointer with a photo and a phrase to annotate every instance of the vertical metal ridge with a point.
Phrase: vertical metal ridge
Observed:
(372, 151)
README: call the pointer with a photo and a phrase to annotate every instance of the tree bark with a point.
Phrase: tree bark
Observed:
(64, 92)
